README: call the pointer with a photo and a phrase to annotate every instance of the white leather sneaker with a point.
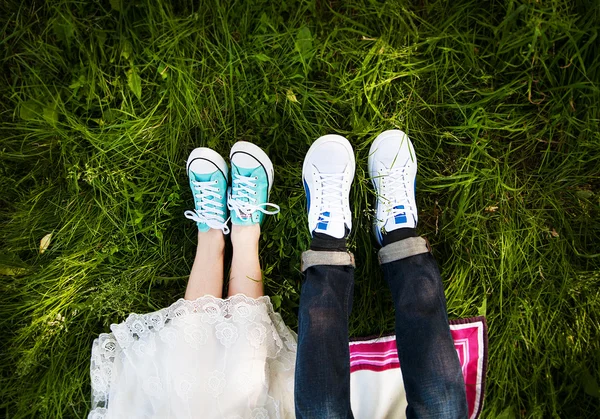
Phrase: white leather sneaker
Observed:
(327, 174)
(393, 171)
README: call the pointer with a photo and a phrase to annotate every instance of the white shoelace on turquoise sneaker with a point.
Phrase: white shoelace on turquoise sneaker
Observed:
(243, 187)
(208, 211)
(332, 197)
(393, 193)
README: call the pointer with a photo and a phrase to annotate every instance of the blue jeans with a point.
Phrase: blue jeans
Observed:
(431, 370)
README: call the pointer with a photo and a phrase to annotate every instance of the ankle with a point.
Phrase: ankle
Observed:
(324, 242)
(397, 235)
(244, 236)
(212, 241)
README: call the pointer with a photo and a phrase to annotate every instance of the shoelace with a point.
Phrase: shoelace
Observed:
(332, 197)
(394, 192)
(242, 199)
(208, 211)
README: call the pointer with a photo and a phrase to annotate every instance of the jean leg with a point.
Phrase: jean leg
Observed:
(322, 381)
(430, 366)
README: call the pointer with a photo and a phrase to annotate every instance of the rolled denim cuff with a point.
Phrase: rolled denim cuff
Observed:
(403, 249)
(313, 258)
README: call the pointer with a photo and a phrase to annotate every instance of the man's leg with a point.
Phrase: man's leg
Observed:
(432, 375)
(322, 387)
(430, 367)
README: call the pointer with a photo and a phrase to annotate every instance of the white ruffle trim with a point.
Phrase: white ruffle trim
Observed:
(186, 328)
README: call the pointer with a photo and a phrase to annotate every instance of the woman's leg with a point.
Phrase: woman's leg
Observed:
(251, 181)
(207, 173)
(246, 276)
(206, 277)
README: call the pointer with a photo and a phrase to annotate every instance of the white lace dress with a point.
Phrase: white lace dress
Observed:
(208, 358)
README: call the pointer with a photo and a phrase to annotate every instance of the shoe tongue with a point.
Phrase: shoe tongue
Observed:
(247, 172)
(207, 177)
(335, 229)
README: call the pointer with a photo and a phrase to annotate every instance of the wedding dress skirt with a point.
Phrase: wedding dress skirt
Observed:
(207, 358)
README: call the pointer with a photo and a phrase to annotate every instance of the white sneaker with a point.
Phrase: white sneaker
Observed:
(327, 174)
(393, 171)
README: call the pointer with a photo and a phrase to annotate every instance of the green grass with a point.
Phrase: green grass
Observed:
(102, 101)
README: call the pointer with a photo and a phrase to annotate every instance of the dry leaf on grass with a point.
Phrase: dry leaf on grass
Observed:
(45, 242)
(291, 96)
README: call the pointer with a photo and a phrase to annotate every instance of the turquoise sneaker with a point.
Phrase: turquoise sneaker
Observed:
(251, 181)
(207, 172)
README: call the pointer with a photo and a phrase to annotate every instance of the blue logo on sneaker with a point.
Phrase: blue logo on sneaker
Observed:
(400, 218)
(322, 222)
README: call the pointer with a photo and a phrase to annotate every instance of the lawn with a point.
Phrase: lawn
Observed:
(103, 100)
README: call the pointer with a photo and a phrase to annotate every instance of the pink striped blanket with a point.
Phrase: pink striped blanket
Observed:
(376, 384)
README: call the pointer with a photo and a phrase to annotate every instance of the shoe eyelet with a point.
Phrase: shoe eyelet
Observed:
(255, 177)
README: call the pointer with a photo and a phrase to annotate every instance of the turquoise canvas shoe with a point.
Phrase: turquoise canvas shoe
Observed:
(251, 181)
(207, 173)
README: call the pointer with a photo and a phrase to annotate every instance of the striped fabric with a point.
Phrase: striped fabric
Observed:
(377, 390)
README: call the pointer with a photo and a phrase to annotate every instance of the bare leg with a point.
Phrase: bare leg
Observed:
(206, 277)
(246, 277)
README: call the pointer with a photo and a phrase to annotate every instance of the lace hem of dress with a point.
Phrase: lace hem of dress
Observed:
(238, 309)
